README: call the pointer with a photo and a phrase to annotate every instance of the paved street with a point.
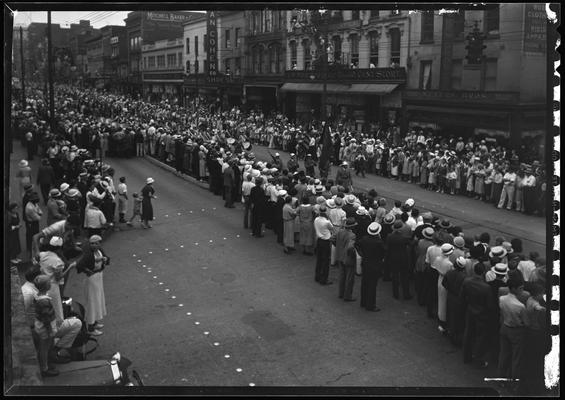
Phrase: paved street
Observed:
(196, 301)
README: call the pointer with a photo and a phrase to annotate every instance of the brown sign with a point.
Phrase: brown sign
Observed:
(462, 96)
(535, 28)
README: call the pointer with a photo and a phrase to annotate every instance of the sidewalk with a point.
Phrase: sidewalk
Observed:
(25, 365)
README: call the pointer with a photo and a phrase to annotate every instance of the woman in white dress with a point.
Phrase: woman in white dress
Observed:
(92, 263)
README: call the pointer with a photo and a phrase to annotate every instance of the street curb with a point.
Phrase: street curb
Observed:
(25, 364)
(166, 167)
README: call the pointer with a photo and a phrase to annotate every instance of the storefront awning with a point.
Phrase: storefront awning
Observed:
(447, 110)
(314, 87)
(372, 88)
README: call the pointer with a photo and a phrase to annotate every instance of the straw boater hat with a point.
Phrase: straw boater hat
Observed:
(350, 199)
(282, 193)
(410, 202)
(459, 242)
(446, 249)
(374, 229)
(508, 247)
(389, 219)
(64, 187)
(428, 232)
(150, 180)
(23, 164)
(56, 241)
(95, 239)
(362, 211)
(498, 251)
(461, 262)
(54, 193)
(72, 193)
(331, 203)
(500, 269)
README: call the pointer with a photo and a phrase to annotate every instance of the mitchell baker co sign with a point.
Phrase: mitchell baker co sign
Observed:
(167, 16)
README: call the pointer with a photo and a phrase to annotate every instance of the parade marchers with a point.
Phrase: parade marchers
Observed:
(487, 297)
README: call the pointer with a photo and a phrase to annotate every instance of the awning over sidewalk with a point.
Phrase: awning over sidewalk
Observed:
(314, 87)
(372, 88)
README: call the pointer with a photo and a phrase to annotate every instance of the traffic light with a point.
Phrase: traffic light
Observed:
(475, 48)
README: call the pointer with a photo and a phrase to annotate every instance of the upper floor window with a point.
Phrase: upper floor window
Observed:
(237, 63)
(237, 37)
(187, 45)
(228, 39)
(179, 58)
(268, 17)
(196, 46)
(336, 41)
(373, 49)
(394, 46)
(426, 75)
(354, 50)
(171, 60)
(427, 32)
(293, 54)
(459, 24)
(306, 45)
(151, 62)
(490, 72)
(492, 20)
(355, 15)
(161, 61)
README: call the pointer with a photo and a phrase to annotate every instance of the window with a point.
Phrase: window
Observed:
(256, 23)
(196, 46)
(336, 41)
(237, 37)
(306, 45)
(394, 46)
(188, 67)
(144, 62)
(459, 24)
(492, 20)
(489, 81)
(268, 21)
(355, 15)
(205, 43)
(282, 20)
(228, 41)
(425, 75)
(374, 48)
(205, 66)
(354, 49)
(196, 67)
(171, 60)
(151, 62)
(187, 45)
(293, 54)
(115, 51)
(456, 74)
(179, 58)
(427, 32)
(237, 63)
(160, 61)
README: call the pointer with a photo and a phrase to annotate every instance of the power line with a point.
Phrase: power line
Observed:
(85, 17)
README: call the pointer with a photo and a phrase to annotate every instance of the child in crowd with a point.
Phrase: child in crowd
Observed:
(136, 208)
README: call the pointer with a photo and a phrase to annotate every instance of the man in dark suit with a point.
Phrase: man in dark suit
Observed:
(372, 251)
(398, 259)
(258, 207)
(476, 300)
(229, 185)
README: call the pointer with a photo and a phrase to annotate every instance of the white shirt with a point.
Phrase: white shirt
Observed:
(530, 181)
(323, 228)
(246, 188)
(337, 216)
(527, 267)
(509, 178)
(122, 189)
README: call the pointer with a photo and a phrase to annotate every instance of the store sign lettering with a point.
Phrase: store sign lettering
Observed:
(169, 17)
(212, 45)
(535, 28)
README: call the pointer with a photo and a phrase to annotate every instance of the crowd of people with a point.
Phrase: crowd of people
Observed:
(486, 295)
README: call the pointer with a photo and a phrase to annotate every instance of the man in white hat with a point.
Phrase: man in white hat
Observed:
(442, 265)
(55, 210)
(372, 251)
(453, 282)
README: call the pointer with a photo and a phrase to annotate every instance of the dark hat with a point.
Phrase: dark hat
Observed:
(397, 225)
(350, 222)
(28, 186)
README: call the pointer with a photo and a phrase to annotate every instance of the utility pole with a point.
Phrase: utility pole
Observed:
(23, 69)
(50, 72)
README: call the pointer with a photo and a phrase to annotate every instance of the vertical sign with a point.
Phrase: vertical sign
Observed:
(535, 28)
(212, 45)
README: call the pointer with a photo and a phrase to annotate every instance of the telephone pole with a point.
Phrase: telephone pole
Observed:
(50, 73)
(23, 68)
